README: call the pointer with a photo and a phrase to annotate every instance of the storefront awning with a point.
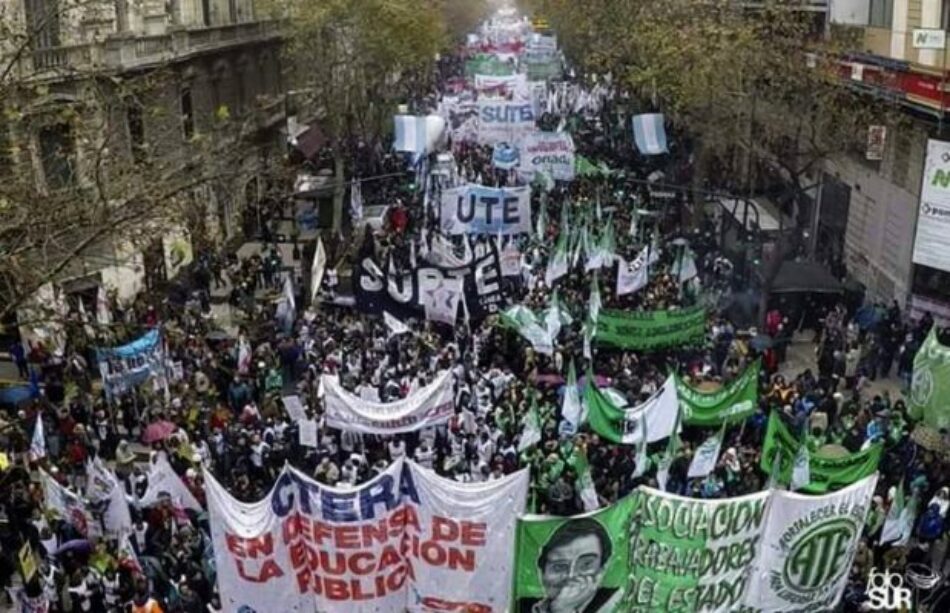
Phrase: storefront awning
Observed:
(805, 277)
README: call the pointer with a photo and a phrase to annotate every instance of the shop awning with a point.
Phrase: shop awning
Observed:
(805, 277)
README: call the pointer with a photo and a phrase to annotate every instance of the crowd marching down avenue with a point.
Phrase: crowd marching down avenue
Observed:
(534, 384)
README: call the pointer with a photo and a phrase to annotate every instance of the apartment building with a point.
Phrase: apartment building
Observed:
(191, 71)
(869, 204)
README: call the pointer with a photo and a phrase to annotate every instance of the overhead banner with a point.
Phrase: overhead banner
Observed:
(502, 121)
(476, 209)
(806, 552)
(651, 329)
(653, 420)
(432, 405)
(407, 540)
(825, 472)
(125, 367)
(932, 244)
(402, 293)
(501, 84)
(565, 562)
(731, 403)
(930, 387)
(693, 555)
(549, 152)
(486, 64)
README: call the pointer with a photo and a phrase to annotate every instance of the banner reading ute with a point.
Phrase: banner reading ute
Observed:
(406, 541)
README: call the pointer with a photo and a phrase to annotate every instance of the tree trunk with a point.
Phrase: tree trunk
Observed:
(339, 187)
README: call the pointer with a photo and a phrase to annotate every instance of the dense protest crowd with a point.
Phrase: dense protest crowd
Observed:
(222, 404)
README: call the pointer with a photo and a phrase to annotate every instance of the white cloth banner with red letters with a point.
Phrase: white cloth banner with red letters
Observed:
(408, 540)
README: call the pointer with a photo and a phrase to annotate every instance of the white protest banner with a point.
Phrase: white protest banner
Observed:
(431, 405)
(164, 481)
(417, 134)
(502, 121)
(68, 506)
(476, 209)
(405, 541)
(510, 256)
(294, 407)
(693, 555)
(478, 515)
(490, 84)
(806, 551)
(550, 152)
(307, 433)
(706, 456)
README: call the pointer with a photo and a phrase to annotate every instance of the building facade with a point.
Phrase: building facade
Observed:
(164, 80)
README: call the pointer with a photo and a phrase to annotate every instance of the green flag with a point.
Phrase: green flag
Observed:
(930, 390)
(825, 472)
(600, 542)
(650, 330)
(733, 403)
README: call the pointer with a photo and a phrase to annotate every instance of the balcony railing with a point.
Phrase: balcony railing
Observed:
(119, 53)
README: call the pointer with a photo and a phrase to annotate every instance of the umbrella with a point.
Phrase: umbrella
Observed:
(74, 545)
(218, 335)
(762, 342)
(158, 431)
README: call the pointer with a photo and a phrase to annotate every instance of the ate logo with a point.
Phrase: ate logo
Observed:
(820, 556)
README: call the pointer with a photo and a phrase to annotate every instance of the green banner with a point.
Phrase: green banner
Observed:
(732, 403)
(825, 473)
(544, 71)
(651, 329)
(930, 390)
(692, 555)
(487, 65)
(574, 563)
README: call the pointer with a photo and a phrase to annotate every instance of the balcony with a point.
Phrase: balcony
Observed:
(119, 53)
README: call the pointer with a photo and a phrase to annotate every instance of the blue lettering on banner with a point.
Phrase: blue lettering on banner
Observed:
(342, 507)
(507, 113)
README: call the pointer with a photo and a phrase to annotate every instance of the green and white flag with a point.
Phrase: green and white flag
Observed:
(542, 224)
(825, 472)
(585, 482)
(594, 303)
(899, 523)
(801, 472)
(531, 430)
(571, 409)
(558, 263)
(629, 426)
(642, 459)
(732, 403)
(930, 387)
(706, 456)
(685, 265)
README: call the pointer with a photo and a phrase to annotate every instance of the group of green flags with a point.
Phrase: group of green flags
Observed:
(785, 456)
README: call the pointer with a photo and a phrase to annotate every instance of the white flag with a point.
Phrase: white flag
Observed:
(801, 470)
(38, 442)
(642, 460)
(558, 262)
(704, 461)
(396, 327)
(67, 506)
(163, 481)
(356, 200)
(102, 486)
(594, 302)
(442, 302)
(103, 311)
(633, 276)
(316, 271)
(531, 432)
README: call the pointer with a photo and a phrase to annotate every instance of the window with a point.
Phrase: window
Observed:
(133, 117)
(57, 153)
(881, 13)
(42, 19)
(187, 114)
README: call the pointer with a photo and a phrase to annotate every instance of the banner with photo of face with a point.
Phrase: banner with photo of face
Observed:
(573, 563)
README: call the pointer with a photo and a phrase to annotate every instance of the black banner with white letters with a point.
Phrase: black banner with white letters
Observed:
(402, 293)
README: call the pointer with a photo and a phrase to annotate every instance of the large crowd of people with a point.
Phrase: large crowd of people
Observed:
(224, 394)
